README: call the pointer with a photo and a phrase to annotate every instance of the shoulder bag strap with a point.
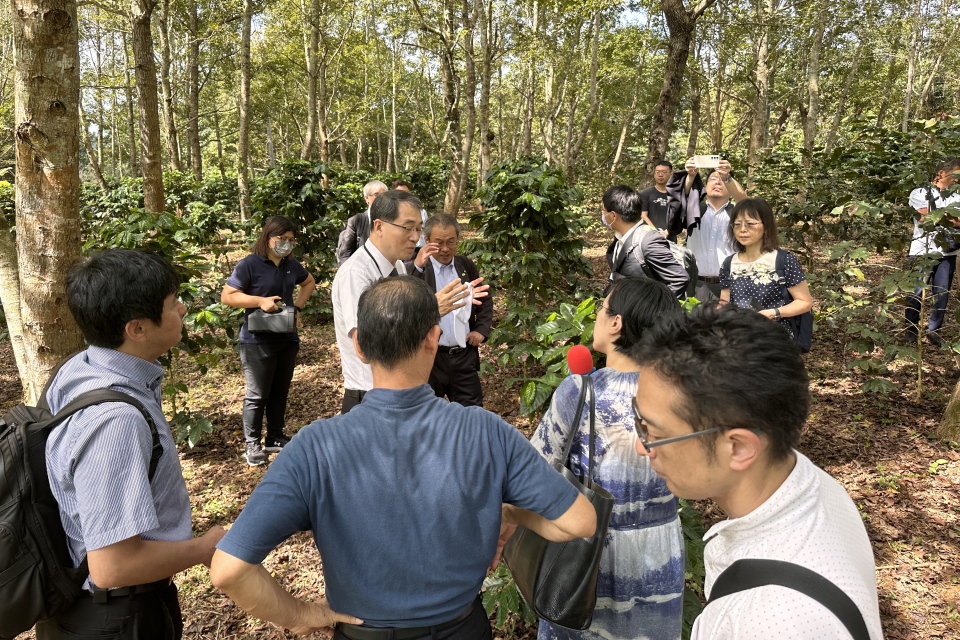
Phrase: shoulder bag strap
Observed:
(593, 430)
(101, 396)
(780, 268)
(42, 400)
(575, 429)
(751, 573)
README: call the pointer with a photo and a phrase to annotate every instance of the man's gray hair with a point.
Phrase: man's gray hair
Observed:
(373, 185)
(442, 221)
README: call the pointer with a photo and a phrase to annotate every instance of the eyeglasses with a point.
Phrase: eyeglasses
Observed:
(452, 244)
(417, 230)
(746, 225)
(292, 241)
(609, 311)
(643, 434)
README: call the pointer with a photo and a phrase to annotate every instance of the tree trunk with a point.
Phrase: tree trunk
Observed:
(216, 128)
(270, 154)
(891, 77)
(243, 140)
(47, 96)
(166, 58)
(632, 111)
(912, 54)
(950, 423)
(813, 87)
(311, 42)
(487, 46)
(470, 68)
(570, 157)
(85, 134)
(680, 24)
(193, 91)
(450, 87)
(934, 69)
(695, 95)
(531, 87)
(10, 299)
(323, 134)
(131, 120)
(761, 102)
(847, 83)
(145, 70)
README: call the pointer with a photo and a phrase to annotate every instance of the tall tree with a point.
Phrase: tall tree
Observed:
(47, 151)
(145, 71)
(166, 59)
(680, 23)
(243, 140)
(193, 89)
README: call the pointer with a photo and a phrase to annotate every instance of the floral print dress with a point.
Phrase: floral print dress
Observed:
(754, 285)
(640, 584)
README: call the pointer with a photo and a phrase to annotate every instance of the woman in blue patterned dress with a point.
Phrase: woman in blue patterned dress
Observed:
(750, 279)
(640, 586)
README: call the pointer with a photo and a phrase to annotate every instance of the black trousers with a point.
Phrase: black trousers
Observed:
(268, 369)
(456, 376)
(144, 616)
(475, 627)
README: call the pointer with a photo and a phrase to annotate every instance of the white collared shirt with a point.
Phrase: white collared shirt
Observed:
(622, 241)
(363, 268)
(811, 521)
(924, 242)
(710, 241)
(455, 325)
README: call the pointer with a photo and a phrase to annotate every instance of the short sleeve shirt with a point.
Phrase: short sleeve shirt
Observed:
(656, 206)
(757, 282)
(98, 460)
(926, 242)
(259, 276)
(403, 495)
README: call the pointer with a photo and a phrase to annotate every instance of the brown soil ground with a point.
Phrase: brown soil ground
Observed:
(882, 449)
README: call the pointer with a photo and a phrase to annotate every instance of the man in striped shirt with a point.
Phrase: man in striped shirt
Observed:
(134, 532)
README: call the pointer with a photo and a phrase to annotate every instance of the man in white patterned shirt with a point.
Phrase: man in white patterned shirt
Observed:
(722, 398)
(134, 530)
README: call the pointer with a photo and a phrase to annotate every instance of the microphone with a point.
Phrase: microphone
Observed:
(580, 360)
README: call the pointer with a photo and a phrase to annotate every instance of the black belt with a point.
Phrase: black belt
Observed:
(709, 279)
(354, 393)
(356, 632)
(451, 350)
(100, 596)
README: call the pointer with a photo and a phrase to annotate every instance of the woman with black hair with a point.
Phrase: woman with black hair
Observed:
(750, 278)
(263, 280)
(640, 584)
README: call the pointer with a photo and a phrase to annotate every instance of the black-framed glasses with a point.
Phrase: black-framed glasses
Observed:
(418, 230)
(643, 434)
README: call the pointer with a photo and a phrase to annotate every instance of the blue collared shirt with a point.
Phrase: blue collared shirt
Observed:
(403, 495)
(97, 461)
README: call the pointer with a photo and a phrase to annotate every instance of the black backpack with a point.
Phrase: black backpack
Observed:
(37, 578)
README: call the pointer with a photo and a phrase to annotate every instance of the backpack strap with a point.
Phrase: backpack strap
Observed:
(727, 264)
(751, 573)
(100, 396)
(42, 400)
(781, 268)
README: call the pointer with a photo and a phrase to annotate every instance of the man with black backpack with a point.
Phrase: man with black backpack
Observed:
(722, 398)
(638, 249)
(121, 494)
(938, 245)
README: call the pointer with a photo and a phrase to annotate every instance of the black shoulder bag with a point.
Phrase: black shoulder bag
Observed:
(283, 320)
(559, 579)
(802, 325)
(750, 573)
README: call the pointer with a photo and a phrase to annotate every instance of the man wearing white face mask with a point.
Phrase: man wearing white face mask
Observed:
(638, 250)
(262, 280)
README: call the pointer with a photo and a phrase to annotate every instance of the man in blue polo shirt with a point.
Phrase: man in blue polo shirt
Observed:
(405, 495)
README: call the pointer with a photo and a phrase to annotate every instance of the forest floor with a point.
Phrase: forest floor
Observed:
(882, 449)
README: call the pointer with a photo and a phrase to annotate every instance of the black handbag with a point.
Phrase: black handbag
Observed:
(282, 321)
(559, 579)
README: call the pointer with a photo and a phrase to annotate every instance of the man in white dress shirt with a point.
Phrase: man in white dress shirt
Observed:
(395, 227)
(722, 398)
(456, 367)
(706, 209)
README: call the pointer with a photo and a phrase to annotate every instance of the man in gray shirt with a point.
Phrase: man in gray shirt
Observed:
(134, 532)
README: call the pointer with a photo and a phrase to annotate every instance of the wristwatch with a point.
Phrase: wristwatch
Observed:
(728, 179)
(777, 311)
(299, 309)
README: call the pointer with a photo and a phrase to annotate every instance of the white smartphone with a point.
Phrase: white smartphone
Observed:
(706, 162)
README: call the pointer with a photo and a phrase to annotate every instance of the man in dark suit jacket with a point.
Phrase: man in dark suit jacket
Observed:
(357, 231)
(456, 367)
(638, 250)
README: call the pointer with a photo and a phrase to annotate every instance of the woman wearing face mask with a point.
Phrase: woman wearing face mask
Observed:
(268, 359)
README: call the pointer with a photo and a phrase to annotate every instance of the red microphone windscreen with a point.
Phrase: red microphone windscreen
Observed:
(579, 360)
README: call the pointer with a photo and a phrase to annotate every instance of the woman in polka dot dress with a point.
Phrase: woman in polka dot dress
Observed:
(749, 277)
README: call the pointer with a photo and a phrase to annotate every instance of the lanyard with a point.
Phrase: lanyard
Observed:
(375, 263)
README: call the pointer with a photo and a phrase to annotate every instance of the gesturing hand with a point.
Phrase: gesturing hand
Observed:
(270, 304)
(317, 616)
(426, 251)
(452, 296)
(479, 291)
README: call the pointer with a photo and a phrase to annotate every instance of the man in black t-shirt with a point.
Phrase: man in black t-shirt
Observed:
(656, 207)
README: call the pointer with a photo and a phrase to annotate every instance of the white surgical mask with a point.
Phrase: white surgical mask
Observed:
(282, 248)
(603, 218)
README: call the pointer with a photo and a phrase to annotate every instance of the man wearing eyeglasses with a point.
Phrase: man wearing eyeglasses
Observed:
(722, 399)
(396, 226)
(358, 227)
(657, 210)
(456, 367)
(705, 210)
